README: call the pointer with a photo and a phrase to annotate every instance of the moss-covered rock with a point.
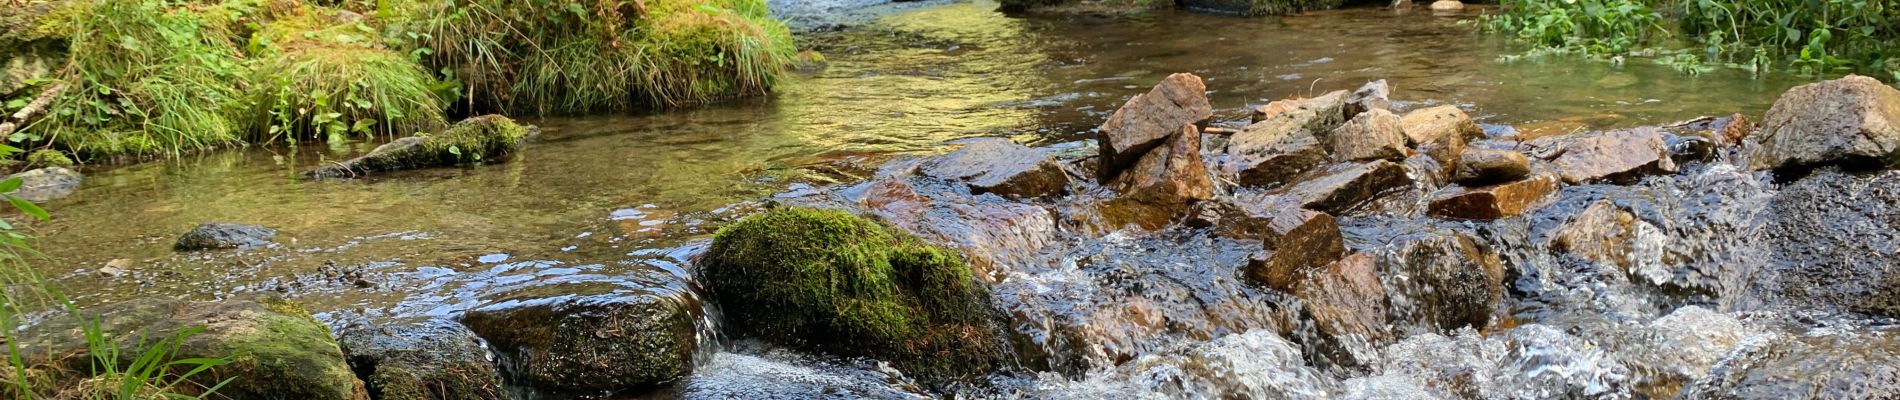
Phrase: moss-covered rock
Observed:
(431, 359)
(474, 140)
(275, 348)
(48, 158)
(590, 339)
(832, 281)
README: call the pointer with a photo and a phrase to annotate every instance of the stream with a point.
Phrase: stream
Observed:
(628, 200)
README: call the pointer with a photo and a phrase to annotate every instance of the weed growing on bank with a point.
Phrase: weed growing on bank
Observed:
(1812, 37)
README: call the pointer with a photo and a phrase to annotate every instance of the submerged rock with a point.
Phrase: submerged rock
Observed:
(1147, 121)
(46, 184)
(218, 235)
(1602, 233)
(831, 281)
(1832, 239)
(1823, 366)
(432, 359)
(586, 340)
(1443, 279)
(276, 349)
(1002, 167)
(477, 139)
(1170, 174)
(1852, 120)
(1346, 299)
(1479, 167)
(1493, 202)
(1274, 151)
(1344, 187)
(1372, 135)
(1614, 156)
(1297, 242)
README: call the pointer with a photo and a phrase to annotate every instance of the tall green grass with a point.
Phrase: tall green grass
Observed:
(315, 76)
(1816, 37)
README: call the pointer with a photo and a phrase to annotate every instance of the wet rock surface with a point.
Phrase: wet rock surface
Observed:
(1480, 167)
(1371, 135)
(1494, 201)
(590, 339)
(1149, 120)
(1173, 173)
(475, 140)
(1001, 167)
(1298, 243)
(46, 184)
(1852, 120)
(219, 235)
(1454, 281)
(1274, 151)
(434, 359)
(1602, 233)
(1344, 187)
(1439, 124)
(1616, 155)
(1834, 235)
(1345, 299)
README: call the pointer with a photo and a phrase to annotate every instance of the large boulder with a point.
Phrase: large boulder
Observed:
(1001, 167)
(46, 184)
(429, 359)
(219, 235)
(275, 348)
(1853, 120)
(1614, 156)
(1371, 135)
(1502, 200)
(1274, 151)
(477, 139)
(590, 339)
(1346, 186)
(1170, 174)
(1445, 279)
(1297, 242)
(832, 281)
(1147, 121)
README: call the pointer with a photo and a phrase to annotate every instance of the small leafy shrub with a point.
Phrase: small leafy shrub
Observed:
(319, 77)
(1595, 27)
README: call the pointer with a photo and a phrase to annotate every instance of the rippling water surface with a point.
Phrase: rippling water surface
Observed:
(625, 200)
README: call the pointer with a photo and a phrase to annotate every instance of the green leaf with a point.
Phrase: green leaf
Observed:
(28, 207)
(11, 184)
(457, 151)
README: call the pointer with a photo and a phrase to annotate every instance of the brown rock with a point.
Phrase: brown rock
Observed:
(1853, 120)
(1616, 155)
(1438, 123)
(1346, 186)
(1373, 96)
(1275, 108)
(1602, 233)
(1328, 110)
(1274, 151)
(1372, 135)
(1479, 167)
(1346, 299)
(1002, 167)
(1493, 202)
(1147, 120)
(1170, 174)
(1298, 242)
(991, 233)
(1727, 131)
(1449, 281)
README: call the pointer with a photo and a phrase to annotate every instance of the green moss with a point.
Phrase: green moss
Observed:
(48, 158)
(475, 139)
(836, 282)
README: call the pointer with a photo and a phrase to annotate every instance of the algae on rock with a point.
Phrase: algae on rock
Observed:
(474, 140)
(833, 281)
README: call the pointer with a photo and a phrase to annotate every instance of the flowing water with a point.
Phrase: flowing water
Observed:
(626, 201)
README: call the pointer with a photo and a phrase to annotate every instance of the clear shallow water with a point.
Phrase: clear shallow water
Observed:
(623, 200)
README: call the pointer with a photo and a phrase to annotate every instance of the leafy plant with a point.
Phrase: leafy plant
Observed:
(1810, 36)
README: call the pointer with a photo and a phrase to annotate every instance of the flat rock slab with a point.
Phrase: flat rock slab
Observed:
(1344, 187)
(1853, 120)
(1502, 200)
(1614, 156)
(1147, 120)
(1328, 111)
(1274, 151)
(1372, 135)
(1480, 167)
(1298, 242)
(46, 184)
(217, 235)
(1001, 167)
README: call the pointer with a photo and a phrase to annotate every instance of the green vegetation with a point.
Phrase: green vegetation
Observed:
(836, 282)
(1811, 36)
(152, 371)
(135, 78)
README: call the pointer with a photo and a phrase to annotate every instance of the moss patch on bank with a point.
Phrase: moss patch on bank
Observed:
(836, 282)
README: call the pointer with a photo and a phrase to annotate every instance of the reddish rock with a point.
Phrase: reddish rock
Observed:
(1602, 233)
(1272, 152)
(1170, 174)
(1439, 123)
(1346, 186)
(1479, 167)
(1298, 242)
(1147, 120)
(1493, 202)
(1853, 120)
(1372, 135)
(1002, 167)
(1346, 299)
(1615, 155)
